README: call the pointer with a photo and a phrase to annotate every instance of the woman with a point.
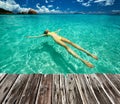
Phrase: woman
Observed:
(62, 41)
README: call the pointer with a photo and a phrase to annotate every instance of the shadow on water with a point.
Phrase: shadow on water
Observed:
(58, 59)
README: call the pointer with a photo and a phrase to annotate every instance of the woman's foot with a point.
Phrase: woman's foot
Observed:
(88, 64)
(93, 56)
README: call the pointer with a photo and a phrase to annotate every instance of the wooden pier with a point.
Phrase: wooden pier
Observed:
(60, 89)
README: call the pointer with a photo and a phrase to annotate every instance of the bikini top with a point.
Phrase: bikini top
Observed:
(49, 34)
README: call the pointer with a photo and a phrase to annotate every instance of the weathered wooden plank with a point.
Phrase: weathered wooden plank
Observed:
(114, 75)
(45, 90)
(84, 88)
(5, 85)
(111, 85)
(88, 90)
(80, 88)
(57, 89)
(31, 89)
(115, 80)
(72, 91)
(63, 90)
(113, 93)
(48, 93)
(117, 76)
(99, 90)
(56, 99)
(16, 90)
(107, 89)
(2, 76)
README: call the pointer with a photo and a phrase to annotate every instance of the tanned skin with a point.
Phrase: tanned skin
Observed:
(62, 41)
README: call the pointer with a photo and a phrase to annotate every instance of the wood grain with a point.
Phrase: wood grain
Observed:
(60, 89)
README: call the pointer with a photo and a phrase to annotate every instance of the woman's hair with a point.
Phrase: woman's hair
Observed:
(46, 31)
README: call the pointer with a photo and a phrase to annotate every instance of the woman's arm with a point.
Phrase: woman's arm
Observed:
(36, 36)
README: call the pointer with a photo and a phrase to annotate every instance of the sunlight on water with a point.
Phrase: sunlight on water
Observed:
(99, 34)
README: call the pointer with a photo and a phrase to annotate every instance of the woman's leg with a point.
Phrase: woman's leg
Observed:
(78, 47)
(73, 53)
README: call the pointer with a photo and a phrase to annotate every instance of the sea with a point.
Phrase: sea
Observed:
(98, 34)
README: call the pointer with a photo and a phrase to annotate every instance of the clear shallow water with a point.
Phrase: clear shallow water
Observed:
(99, 34)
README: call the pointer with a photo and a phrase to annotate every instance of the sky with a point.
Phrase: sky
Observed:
(59, 6)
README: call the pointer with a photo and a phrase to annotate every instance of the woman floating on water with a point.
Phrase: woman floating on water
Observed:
(62, 41)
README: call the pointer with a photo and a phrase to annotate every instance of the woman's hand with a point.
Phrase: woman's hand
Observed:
(28, 36)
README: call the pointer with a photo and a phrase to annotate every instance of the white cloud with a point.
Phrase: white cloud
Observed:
(46, 1)
(80, 0)
(97, 1)
(115, 11)
(12, 6)
(110, 2)
(50, 6)
(101, 2)
(105, 2)
(44, 9)
(11, 2)
(57, 7)
(86, 4)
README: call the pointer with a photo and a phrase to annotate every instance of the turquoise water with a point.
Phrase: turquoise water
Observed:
(99, 34)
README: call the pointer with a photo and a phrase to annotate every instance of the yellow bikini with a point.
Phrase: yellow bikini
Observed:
(58, 36)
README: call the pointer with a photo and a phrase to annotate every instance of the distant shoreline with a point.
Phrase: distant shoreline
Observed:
(33, 12)
(62, 14)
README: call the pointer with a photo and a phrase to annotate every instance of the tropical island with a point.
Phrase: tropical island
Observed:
(32, 11)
